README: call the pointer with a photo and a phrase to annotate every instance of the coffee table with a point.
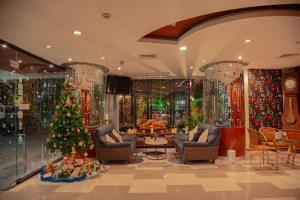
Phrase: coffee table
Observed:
(156, 142)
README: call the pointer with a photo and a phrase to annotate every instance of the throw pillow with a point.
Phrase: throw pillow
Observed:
(196, 136)
(192, 133)
(117, 135)
(109, 139)
(203, 136)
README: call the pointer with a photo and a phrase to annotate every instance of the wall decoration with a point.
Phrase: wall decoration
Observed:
(265, 98)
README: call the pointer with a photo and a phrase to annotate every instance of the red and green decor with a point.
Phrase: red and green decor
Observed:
(69, 136)
(67, 129)
(265, 98)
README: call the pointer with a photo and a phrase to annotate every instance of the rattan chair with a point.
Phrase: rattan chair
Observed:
(255, 145)
(269, 137)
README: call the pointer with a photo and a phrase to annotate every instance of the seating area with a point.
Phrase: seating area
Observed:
(173, 99)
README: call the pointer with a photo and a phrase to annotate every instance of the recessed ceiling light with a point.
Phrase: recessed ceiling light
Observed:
(192, 67)
(51, 66)
(4, 45)
(119, 68)
(19, 61)
(247, 41)
(102, 58)
(77, 33)
(69, 59)
(106, 15)
(183, 48)
(240, 57)
(48, 46)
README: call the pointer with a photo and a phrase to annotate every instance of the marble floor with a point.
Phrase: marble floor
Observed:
(145, 179)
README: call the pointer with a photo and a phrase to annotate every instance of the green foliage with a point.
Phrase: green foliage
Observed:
(68, 132)
(196, 111)
(191, 122)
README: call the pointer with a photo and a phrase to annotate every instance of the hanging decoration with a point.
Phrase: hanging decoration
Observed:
(223, 93)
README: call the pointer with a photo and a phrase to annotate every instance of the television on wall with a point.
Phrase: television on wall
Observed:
(118, 84)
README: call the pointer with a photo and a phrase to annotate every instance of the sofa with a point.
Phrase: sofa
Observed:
(113, 151)
(194, 150)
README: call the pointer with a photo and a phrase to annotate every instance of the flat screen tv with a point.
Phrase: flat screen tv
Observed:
(118, 84)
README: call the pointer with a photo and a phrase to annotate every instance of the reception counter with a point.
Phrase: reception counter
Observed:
(232, 138)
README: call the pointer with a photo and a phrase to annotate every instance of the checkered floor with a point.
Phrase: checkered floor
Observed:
(171, 179)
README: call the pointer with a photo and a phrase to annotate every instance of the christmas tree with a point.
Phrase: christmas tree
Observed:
(68, 133)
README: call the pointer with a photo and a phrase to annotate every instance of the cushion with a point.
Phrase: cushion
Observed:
(109, 139)
(192, 133)
(196, 136)
(117, 135)
(203, 136)
(101, 138)
(211, 138)
(113, 137)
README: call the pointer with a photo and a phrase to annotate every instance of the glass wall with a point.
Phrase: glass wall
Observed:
(29, 91)
(162, 99)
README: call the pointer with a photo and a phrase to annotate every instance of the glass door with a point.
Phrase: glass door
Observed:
(8, 129)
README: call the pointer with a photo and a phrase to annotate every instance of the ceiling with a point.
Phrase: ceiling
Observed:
(32, 24)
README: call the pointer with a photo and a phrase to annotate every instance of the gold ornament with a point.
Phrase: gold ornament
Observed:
(68, 102)
(80, 143)
(51, 125)
(53, 136)
(57, 107)
(68, 114)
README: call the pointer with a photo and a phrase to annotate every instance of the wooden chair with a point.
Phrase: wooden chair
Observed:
(255, 145)
(269, 137)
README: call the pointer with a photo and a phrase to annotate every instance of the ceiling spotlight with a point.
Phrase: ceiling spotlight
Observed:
(102, 58)
(4, 45)
(106, 15)
(19, 61)
(77, 33)
(240, 57)
(48, 46)
(119, 68)
(192, 67)
(183, 48)
(69, 59)
(51, 66)
(247, 41)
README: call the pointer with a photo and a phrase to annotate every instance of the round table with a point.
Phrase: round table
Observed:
(156, 142)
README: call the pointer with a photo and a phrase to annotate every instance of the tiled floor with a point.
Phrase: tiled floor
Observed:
(170, 179)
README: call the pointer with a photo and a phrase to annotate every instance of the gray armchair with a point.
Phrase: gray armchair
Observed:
(113, 151)
(191, 150)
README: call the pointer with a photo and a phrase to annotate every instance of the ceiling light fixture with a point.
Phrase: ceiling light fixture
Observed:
(69, 59)
(119, 68)
(102, 58)
(77, 33)
(240, 57)
(19, 61)
(106, 15)
(48, 46)
(4, 45)
(192, 67)
(247, 41)
(183, 48)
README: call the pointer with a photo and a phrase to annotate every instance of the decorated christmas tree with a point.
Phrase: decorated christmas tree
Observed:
(68, 133)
